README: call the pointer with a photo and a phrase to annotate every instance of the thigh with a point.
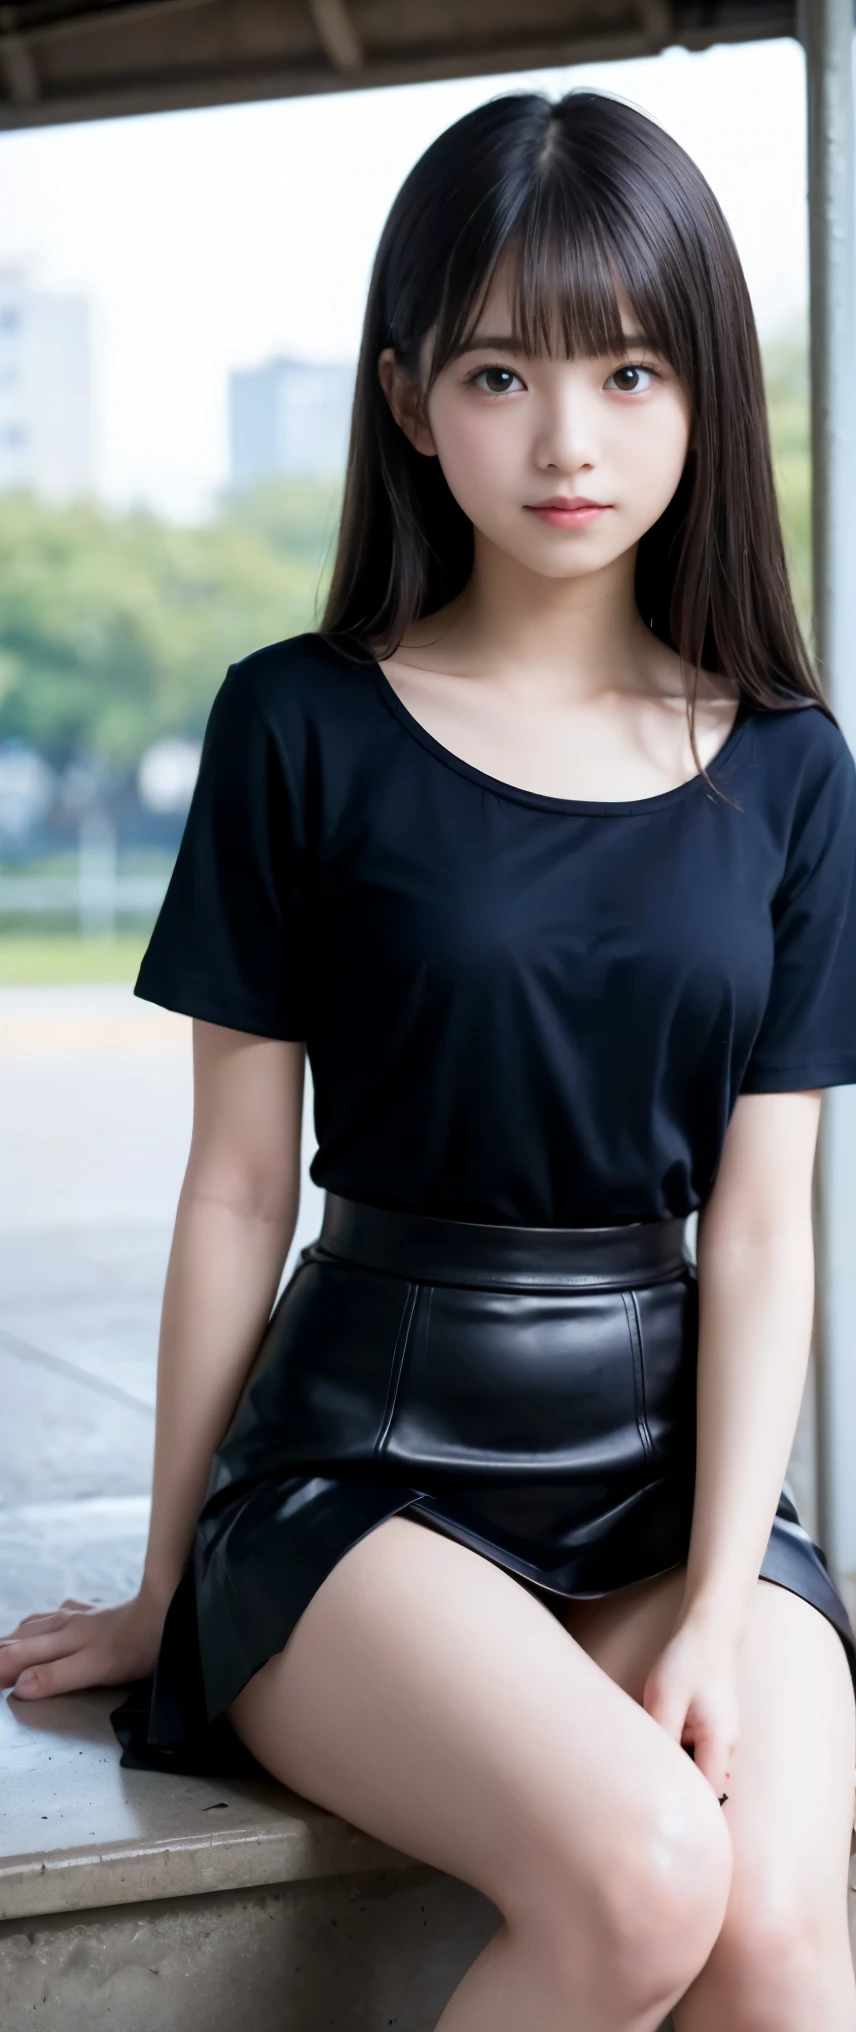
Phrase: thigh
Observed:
(426, 1697)
(791, 1793)
(791, 1796)
(782, 1958)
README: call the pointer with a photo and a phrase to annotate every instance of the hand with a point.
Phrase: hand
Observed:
(691, 1690)
(79, 1645)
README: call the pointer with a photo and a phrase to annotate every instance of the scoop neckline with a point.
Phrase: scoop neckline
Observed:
(515, 791)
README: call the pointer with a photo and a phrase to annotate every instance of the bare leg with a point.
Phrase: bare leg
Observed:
(782, 1961)
(429, 1699)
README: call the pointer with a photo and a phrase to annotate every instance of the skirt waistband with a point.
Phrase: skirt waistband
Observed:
(424, 1248)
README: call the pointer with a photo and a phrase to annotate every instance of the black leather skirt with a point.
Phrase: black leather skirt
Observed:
(528, 1391)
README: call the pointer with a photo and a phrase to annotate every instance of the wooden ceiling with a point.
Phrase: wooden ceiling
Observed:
(96, 59)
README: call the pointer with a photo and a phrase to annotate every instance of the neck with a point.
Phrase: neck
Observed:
(582, 633)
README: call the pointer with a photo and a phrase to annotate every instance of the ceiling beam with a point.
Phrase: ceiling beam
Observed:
(17, 62)
(91, 20)
(657, 21)
(160, 81)
(340, 40)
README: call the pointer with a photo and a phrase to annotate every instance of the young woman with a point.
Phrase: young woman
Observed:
(478, 1538)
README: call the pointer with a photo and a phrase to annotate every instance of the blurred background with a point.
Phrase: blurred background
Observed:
(181, 297)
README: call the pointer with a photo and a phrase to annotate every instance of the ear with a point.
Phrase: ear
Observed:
(404, 400)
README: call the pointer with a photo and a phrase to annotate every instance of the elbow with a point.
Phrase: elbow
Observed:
(760, 1235)
(250, 1194)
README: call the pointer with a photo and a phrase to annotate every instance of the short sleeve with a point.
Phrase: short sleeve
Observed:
(807, 1036)
(229, 942)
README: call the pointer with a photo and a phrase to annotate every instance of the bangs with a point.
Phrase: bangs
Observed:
(587, 208)
(564, 259)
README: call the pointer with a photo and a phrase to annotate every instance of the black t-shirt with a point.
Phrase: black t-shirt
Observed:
(517, 1008)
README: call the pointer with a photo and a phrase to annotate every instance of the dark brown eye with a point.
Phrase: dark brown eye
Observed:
(503, 374)
(635, 368)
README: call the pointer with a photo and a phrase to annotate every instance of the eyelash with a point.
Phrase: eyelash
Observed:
(497, 366)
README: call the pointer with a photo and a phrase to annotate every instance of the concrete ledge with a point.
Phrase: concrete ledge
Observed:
(161, 1903)
(359, 1954)
(79, 1832)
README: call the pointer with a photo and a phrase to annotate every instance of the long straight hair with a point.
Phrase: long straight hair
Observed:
(574, 192)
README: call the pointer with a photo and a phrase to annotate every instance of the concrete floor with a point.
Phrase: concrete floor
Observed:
(96, 1105)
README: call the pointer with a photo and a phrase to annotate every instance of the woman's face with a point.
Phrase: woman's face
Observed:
(510, 432)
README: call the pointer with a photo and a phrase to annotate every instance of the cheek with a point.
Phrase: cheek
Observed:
(480, 453)
(478, 457)
(652, 459)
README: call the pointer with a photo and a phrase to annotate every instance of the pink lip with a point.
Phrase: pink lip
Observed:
(562, 513)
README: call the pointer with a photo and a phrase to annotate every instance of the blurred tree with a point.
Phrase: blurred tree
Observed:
(786, 377)
(297, 518)
(116, 629)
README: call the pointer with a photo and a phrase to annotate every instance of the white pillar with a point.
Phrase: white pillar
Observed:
(825, 29)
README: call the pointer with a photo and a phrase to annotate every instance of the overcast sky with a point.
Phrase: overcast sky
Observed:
(213, 239)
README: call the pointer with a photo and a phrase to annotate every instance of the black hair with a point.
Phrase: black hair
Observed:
(574, 193)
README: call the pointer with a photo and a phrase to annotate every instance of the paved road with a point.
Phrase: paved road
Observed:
(95, 1102)
(96, 1107)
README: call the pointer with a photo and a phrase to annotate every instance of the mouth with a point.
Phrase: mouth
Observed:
(567, 513)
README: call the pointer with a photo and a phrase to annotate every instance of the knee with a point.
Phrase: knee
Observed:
(668, 1898)
(643, 1922)
(778, 1959)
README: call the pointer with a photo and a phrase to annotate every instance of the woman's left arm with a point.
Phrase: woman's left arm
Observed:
(755, 1259)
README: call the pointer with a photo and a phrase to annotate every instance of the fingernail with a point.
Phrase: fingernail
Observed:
(25, 1680)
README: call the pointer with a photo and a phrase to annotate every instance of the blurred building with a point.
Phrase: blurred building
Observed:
(45, 406)
(289, 416)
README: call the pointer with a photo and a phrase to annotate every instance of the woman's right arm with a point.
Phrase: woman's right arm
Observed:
(236, 1215)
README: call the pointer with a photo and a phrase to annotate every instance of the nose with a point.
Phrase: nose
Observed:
(566, 429)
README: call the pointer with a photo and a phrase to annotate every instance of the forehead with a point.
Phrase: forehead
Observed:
(495, 315)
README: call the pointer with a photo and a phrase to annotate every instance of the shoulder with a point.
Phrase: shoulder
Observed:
(307, 711)
(802, 775)
(803, 751)
(303, 679)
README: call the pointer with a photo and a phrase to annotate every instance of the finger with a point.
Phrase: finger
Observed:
(68, 1604)
(667, 1708)
(41, 1616)
(48, 1617)
(16, 1658)
(711, 1756)
(51, 1621)
(11, 1646)
(63, 1675)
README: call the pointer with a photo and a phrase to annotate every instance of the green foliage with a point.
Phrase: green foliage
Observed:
(786, 378)
(297, 518)
(117, 629)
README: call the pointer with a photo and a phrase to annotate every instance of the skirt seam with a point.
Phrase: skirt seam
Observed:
(396, 1366)
(634, 1330)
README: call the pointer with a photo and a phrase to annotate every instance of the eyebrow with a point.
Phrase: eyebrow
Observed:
(507, 342)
